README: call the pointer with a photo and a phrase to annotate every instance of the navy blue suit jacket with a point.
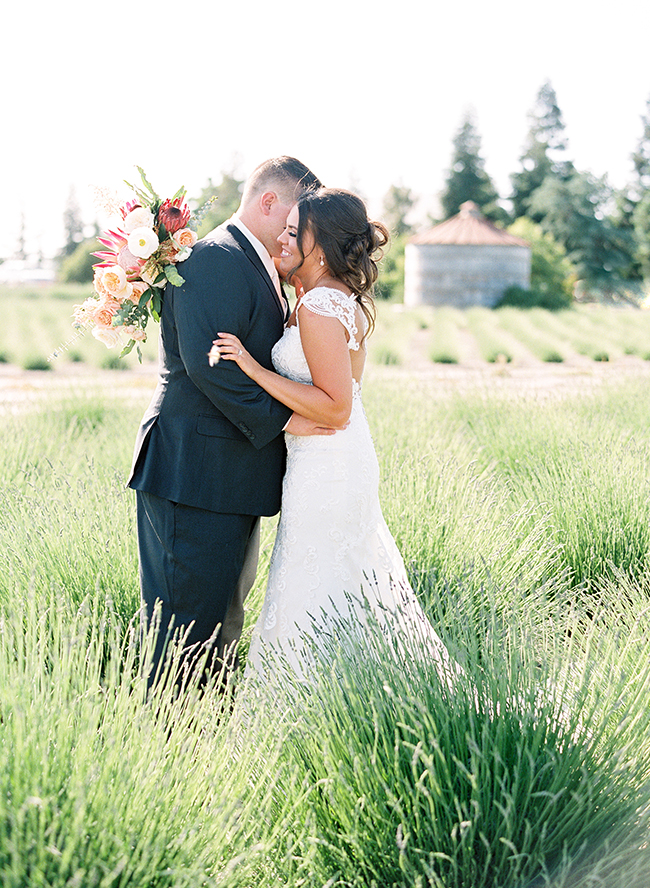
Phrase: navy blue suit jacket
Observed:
(211, 437)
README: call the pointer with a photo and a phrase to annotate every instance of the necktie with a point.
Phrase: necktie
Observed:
(275, 277)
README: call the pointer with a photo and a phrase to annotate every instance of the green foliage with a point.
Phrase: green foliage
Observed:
(390, 283)
(525, 525)
(398, 202)
(522, 298)
(641, 222)
(73, 225)
(551, 274)
(506, 775)
(543, 155)
(37, 362)
(225, 197)
(467, 178)
(571, 211)
(77, 266)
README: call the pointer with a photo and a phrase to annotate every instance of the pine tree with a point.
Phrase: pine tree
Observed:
(641, 159)
(72, 224)
(630, 215)
(398, 202)
(543, 154)
(226, 197)
(572, 211)
(467, 178)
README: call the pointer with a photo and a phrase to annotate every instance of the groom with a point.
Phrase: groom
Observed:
(209, 454)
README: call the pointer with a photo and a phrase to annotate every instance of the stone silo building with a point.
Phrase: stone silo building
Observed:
(464, 261)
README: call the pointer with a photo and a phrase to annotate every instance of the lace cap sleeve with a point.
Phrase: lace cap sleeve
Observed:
(332, 303)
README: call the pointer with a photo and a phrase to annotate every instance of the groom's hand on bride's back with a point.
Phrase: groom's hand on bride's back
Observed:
(302, 427)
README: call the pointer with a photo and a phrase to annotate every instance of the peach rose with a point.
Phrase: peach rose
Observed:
(97, 282)
(184, 238)
(139, 288)
(136, 333)
(103, 316)
(113, 280)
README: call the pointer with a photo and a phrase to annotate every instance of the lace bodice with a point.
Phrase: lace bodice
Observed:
(288, 356)
(332, 303)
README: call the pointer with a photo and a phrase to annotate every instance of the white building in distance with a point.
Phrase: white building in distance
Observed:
(464, 261)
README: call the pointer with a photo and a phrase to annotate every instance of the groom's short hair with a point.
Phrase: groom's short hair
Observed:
(288, 177)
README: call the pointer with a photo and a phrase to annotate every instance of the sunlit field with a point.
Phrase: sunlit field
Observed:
(517, 487)
(37, 333)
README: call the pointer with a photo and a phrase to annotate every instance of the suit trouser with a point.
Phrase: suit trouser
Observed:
(200, 566)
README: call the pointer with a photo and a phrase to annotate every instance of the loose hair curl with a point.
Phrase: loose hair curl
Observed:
(351, 243)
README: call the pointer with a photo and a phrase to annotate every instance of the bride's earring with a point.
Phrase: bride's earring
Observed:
(322, 261)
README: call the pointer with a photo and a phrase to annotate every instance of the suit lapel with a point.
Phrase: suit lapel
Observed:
(252, 254)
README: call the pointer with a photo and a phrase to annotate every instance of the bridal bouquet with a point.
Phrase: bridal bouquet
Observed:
(141, 251)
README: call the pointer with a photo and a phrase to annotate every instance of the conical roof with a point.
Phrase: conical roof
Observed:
(469, 227)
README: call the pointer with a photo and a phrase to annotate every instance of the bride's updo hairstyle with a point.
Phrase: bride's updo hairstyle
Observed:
(351, 244)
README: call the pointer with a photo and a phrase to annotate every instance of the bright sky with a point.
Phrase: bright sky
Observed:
(366, 93)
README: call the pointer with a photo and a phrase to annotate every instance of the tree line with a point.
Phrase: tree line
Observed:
(585, 235)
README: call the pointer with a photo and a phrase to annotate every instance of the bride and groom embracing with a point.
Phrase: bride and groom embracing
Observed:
(276, 421)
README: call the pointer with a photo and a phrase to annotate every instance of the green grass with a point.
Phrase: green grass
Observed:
(38, 332)
(525, 527)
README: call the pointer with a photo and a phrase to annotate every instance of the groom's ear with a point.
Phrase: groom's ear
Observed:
(267, 199)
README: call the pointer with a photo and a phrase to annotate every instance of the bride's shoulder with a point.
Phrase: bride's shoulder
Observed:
(327, 299)
(334, 303)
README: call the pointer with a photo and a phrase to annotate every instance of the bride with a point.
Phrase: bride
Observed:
(334, 557)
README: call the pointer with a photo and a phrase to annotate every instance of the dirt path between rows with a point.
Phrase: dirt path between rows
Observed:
(28, 389)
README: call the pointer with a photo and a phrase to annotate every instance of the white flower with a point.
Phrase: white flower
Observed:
(138, 218)
(214, 356)
(110, 336)
(143, 242)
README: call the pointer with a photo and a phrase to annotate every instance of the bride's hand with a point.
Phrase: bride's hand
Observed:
(231, 349)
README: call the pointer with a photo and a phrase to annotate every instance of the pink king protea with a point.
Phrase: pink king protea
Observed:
(174, 214)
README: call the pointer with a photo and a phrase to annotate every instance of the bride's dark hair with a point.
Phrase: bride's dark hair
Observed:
(350, 242)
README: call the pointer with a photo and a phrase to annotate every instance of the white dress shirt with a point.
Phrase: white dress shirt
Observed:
(264, 255)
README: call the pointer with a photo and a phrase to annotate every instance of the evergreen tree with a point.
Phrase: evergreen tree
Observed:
(398, 202)
(543, 154)
(641, 159)
(572, 211)
(225, 196)
(21, 250)
(72, 224)
(632, 202)
(641, 221)
(467, 178)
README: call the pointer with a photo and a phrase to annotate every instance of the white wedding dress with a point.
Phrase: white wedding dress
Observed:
(334, 556)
